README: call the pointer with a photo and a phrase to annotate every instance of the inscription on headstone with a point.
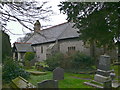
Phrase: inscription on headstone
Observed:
(58, 74)
(48, 84)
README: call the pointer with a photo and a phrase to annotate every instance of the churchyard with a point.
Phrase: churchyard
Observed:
(104, 76)
(83, 52)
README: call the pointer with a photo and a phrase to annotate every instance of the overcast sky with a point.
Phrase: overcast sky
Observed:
(58, 18)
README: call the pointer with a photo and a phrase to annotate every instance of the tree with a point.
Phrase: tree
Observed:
(25, 38)
(97, 21)
(6, 46)
(25, 12)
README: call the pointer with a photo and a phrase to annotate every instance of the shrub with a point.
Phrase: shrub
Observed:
(11, 70)
(41, 65)
(27, 65)
(75, 61)
(29, 56)
(54, 61)
(80, 60)
(67, 61)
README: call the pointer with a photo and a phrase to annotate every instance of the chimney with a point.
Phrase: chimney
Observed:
(37, 26)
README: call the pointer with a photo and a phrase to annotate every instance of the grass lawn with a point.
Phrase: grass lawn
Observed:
(68, 82)
(115, 67)
(38, 78)
(71, 80)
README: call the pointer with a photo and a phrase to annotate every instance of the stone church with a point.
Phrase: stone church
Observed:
(60, 38)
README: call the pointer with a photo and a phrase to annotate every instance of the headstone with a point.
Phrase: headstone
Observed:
(48, 84)
(20, 82)
(104, 63)
(58, 74)
(104, 76)
(103, 71)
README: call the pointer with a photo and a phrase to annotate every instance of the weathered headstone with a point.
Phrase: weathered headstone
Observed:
(20, 82)
(48, 84)
(104, 63)
(102, 76)
(103, 71)
(58, 74)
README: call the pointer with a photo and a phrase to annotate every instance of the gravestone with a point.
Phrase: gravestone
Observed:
(103, 71)
(102, 77)
(58, 74)
(104, 63)
(48, 84)
(20, 82)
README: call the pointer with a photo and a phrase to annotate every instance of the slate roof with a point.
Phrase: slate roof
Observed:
(23, 47)
(58, 32)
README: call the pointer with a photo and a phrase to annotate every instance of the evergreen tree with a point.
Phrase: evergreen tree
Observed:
(98, 22)
(6, 46)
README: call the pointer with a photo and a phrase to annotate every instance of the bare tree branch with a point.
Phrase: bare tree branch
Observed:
(24, 12)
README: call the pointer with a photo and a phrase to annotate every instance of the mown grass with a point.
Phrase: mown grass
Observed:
(39, 78)
(68, 82)
(90, 76)
(116, 68)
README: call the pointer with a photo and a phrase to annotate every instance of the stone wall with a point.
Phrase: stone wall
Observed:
(79, 46)
(41, 55)
(63, 47)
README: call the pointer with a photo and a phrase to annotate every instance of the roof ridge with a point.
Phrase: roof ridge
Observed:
(47, 29)
(54, 26)
(22, 43)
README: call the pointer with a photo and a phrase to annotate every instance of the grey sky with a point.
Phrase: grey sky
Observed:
(58, 18)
